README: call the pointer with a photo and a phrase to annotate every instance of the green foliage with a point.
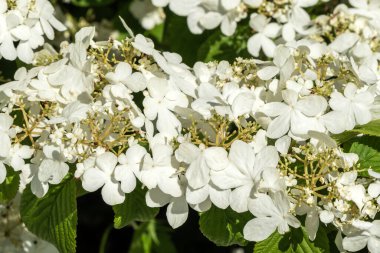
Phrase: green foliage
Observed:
(221, 47)
(152, 237)
(134, 208)
(371, 129)
(9, 188)
(296, 241)
(53, 217)
(224, 227)
(367, 148)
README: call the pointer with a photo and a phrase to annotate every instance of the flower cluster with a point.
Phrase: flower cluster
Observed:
(23, 24)
(272, 22)
(250, 135)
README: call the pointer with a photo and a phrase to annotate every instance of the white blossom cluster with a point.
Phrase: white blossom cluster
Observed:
(14, 237)
(272, 22)
(23, 25)
(121, 114)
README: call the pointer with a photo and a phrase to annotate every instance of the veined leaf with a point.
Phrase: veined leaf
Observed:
(134, 208)
(54, 216)
(224, 227)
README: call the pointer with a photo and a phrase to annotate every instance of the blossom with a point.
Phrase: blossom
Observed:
(201, 162)
(349, 109)
(295, 114)
(101, 175)
(266, 31)
(244, 172)
(271, 215)
(368, 234)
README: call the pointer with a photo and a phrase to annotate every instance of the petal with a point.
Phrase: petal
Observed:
(355, 243)
(268, 73)
(156, 198)
(344, 42)
(93, 179)
(198, 173)
(216, 158)
(5, 145)
(279, 126)
(239, 198)
(3, 173)
(187, 152)
(259, 229)
(218, 197)
(106, 162)
(196, 196)
(312, 105)
(112, 193)
(242, 156)
(177, 212)
(254, 44)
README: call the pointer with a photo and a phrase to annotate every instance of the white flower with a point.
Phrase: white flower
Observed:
(284, 65)
(129, 167)
(271, 214)
(368, 235)
(298, 115)
(177, 210)
(211, 192)
(160, 101)
(102, 176)
(349, 110)
(159, 170)
(244, 172)
(44, 11)
(263, 38)
(201, 162)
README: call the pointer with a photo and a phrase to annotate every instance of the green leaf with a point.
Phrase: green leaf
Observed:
(224, 227)
(152, 237)
(133, 209)
(54, 216)
(9, 188)
(296, 241)
(367, 148)
(222, 47)
(177, 38)
(371, 129)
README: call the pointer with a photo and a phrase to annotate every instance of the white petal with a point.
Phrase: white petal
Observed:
(216, 158)
(3, 173)
(112, 193)
(268, 72)
(5, 145)
(106, 162)
(196, 196)
(344, 42)
(259, 229)
(355, 243)
(239, 198)
(177, 212)
(93, 179)
(156, 198)
(218, 197)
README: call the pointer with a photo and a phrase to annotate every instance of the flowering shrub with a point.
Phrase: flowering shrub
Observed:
(280, 152)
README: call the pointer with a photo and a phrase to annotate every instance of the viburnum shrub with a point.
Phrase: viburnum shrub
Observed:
(280, 151)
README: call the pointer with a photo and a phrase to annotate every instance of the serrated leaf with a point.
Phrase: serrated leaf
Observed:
(133, 208)
(9, 188)
(296, 241)
(224, 227)
(53, 217)
(367, 148)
